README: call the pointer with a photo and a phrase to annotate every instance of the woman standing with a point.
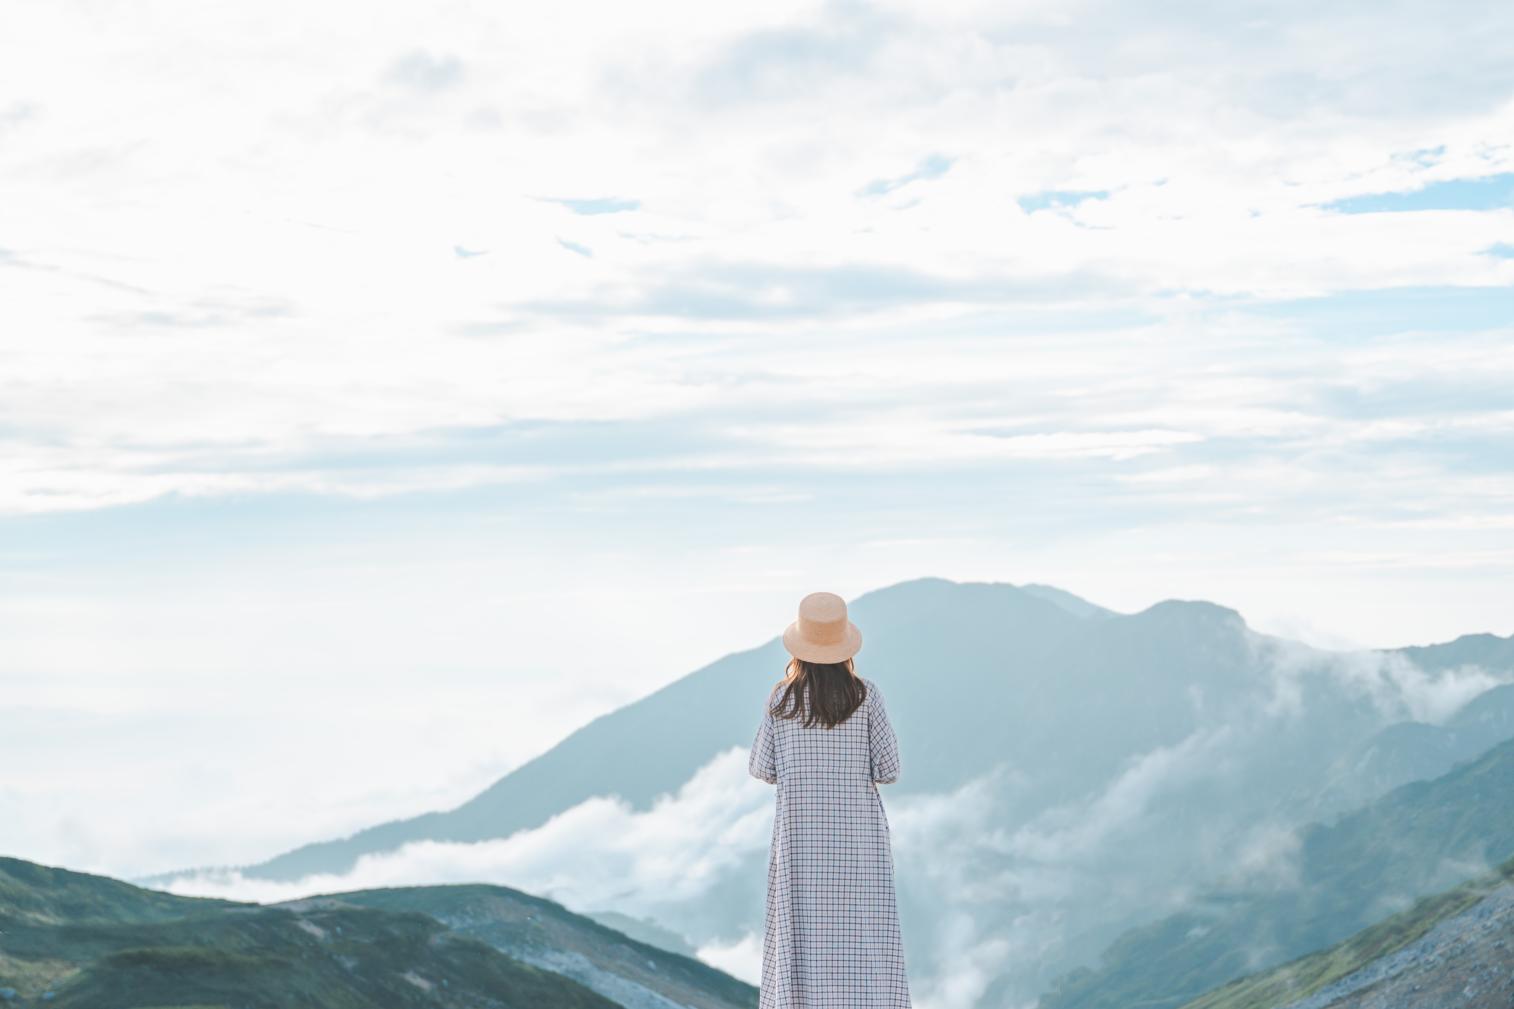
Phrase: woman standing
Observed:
(831, 935)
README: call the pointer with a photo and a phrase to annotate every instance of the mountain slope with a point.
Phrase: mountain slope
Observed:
(79, 940)
(1076, 605)
(1416, 840)
(1488, 651)
(981, 631)
(1452, 950)
(46, 895)
(1071, 772)
(1412, 751)
(544, 934)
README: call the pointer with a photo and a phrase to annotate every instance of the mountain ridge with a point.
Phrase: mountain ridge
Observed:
(480, 817)
(80, 940)
(1103, 760)
(506, 805)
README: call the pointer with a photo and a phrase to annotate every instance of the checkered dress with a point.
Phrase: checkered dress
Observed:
(831, 932)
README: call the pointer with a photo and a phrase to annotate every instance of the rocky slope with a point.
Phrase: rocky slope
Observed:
(1417, 840)
(1453, 950)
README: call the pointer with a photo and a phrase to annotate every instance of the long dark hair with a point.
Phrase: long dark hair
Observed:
(824, 692)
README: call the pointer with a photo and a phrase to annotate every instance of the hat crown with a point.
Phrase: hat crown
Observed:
(822, 633)
(822, 618)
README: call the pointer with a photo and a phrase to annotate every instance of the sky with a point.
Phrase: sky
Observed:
(387, 390)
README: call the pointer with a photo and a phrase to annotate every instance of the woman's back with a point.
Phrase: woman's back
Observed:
(850, 753)
(831, 932)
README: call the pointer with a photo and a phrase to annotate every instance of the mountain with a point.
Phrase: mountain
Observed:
(1486, 651)
(1038, 668)
(1413, 751)
(70, 939)
(1416, 840)
(1076, 605)
(989, 634)
(42, 894)
(645, 930)
(1451, 950)
(1070, 771)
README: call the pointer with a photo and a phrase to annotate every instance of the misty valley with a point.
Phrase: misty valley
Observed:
(1164, 809)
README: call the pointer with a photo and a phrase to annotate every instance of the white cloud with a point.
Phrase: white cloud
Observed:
(1396, 685)
(1080, 831)
(280, 260)
(1268, 857)
(598, 854)
(601, 854)
(741, 958)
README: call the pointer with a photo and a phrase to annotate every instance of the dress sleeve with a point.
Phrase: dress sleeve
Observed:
(882, 743)
(761, 763)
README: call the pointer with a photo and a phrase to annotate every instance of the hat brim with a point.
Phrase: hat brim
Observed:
(849, 645)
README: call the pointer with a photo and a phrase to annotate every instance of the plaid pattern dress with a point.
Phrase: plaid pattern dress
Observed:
(831, 930)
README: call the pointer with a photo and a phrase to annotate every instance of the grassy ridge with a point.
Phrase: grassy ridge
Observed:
(44, 893)
(275, 959)
(93, 941)
(527, 926)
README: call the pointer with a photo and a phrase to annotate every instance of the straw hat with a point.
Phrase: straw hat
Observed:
(822, 633)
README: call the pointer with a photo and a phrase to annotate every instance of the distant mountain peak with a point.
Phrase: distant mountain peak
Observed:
(1074, 604)
(1193, 609)
(1482, 649)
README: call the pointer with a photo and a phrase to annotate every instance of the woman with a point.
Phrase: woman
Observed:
(831, 935)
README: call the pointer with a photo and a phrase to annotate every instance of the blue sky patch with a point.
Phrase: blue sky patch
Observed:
(1490, 192)
(1371, 312)
(1047, 198)
(596, 205)
(931, 167)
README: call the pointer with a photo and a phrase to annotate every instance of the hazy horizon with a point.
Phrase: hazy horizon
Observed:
(349, 738)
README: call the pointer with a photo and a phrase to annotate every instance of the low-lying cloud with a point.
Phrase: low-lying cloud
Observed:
(601, 853)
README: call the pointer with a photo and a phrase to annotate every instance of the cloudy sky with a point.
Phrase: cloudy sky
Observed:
(386, 390)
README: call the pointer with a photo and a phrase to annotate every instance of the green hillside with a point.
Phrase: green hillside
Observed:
(42, 894)
(72, 939)
(545, 934)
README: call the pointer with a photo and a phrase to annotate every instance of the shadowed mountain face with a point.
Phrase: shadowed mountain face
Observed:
(1413, 751)
(77, 940)
(1069, 772)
